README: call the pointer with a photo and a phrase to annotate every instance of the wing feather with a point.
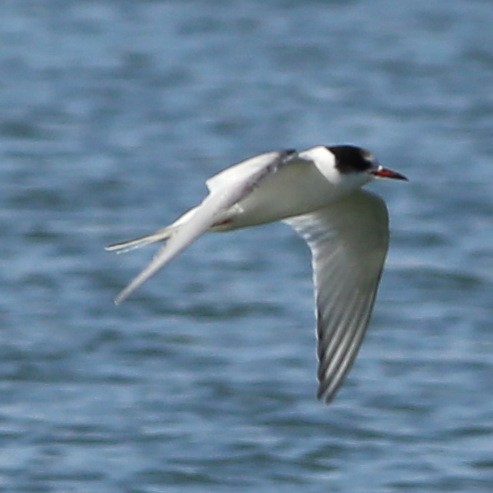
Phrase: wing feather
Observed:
(226, 191)
(349, 242)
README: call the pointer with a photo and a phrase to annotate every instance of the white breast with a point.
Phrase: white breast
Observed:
(298, 187)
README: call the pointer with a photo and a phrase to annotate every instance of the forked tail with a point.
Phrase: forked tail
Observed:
(179, 235)
(162, 234)
(141, 241)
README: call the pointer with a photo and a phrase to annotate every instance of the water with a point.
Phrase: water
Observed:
(112, 116)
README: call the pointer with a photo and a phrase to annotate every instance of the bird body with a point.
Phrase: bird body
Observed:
(318, 193)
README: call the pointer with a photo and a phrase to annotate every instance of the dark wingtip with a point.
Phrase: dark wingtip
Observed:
(324, 396)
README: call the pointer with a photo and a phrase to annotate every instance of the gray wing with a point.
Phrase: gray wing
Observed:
(237, 183)
(349, 242)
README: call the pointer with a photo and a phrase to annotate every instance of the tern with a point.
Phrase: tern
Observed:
(318, 193)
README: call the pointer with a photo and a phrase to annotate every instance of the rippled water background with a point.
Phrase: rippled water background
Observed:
(112, 115)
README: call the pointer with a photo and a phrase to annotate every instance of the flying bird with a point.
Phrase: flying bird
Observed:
(317, 192)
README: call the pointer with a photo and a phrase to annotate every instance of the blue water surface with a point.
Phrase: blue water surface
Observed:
(112, 116)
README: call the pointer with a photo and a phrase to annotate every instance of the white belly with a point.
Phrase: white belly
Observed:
(295, 189)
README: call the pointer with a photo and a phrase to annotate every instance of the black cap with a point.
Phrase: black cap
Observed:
(352, 159)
